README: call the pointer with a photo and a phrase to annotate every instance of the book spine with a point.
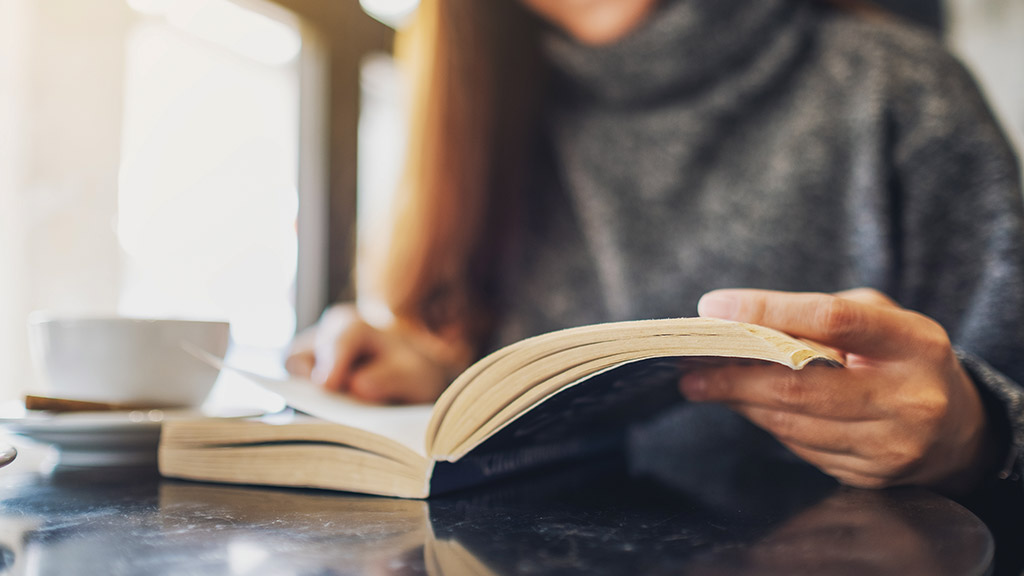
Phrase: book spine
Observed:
(476, 468)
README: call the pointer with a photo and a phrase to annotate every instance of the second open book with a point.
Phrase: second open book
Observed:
(560, 395)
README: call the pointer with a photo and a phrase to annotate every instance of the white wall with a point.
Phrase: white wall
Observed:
(58, 163)
(13, 20)
(121, 128)
(989, 36)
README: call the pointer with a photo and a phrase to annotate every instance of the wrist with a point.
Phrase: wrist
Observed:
(994, 454)
(450, 355)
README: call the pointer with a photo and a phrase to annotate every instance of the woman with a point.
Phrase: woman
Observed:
(594, 160)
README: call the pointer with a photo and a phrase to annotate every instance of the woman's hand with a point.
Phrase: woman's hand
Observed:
(345, 354)
(903, 411)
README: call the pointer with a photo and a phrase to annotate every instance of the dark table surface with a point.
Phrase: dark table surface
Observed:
(598, 517)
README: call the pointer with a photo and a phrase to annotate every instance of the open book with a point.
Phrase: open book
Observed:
(561, 395)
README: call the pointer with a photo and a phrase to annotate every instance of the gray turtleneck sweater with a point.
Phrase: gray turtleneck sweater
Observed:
(773, 144)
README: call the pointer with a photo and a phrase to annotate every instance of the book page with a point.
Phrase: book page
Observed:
(406, 425)
(511, 379)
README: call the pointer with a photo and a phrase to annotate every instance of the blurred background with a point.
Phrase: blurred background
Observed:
(224, 158)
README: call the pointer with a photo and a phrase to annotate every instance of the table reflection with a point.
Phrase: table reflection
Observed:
(593, 518)
(861, 532)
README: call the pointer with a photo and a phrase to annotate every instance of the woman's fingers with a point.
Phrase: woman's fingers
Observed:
(848, 324)
(864, 454)
(396, 379)
(379, 382)
(300, 363)
(847, 469)
(343, 340)
(343, 352)
(806, 432)
(822, 391)
(302, 356)
(868, 296)
(327, 352)
(903, 410)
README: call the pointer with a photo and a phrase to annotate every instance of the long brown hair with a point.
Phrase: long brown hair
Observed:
(475, 72)
(476, 78)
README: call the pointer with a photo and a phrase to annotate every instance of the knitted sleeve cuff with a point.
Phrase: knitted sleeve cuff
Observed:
(1004, 404)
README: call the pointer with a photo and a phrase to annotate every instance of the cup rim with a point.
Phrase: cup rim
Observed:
(44, 317)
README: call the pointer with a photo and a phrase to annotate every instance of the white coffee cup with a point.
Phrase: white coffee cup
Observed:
(129, 361)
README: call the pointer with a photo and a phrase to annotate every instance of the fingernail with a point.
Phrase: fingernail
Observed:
(694, 386)
(717, 305)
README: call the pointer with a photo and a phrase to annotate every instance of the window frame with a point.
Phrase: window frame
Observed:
(337, 35)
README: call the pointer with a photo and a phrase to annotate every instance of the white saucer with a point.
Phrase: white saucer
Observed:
(104, 438)
(7, 455)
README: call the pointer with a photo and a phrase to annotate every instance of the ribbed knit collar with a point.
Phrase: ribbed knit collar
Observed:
(684, 45)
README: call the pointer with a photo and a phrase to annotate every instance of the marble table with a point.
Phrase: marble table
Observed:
(599, 517)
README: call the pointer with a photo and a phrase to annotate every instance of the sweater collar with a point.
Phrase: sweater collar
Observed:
(684, 45)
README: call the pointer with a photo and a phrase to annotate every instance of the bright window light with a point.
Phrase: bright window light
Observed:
(207, 199)
(391, 12)
(245, 32)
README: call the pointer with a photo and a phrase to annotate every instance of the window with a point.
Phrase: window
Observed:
(149, 165)
(207, 198)
(989, 36)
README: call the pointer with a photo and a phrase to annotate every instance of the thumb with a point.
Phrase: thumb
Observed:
(340, 353)
(842, 323)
